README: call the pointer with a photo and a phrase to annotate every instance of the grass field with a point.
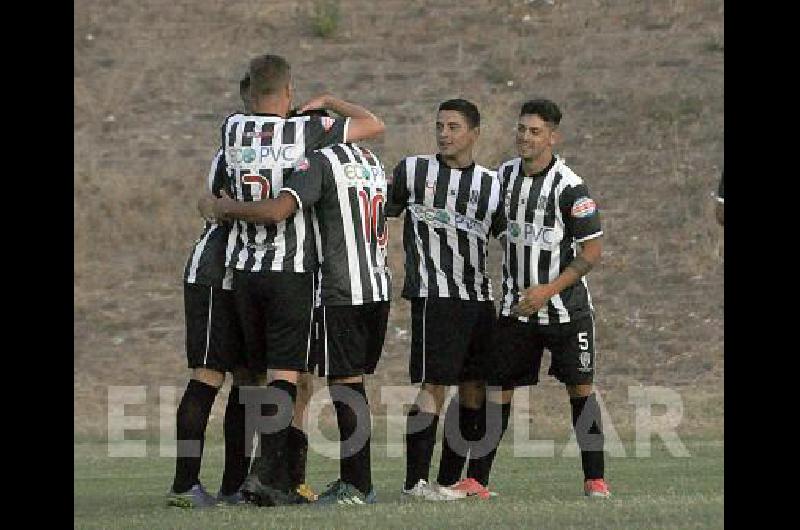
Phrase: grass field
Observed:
(661, 491)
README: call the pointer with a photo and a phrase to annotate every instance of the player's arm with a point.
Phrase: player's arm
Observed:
(302, 189)
(268, 211)
(499, 222)
(363, 124)
(581, 221)
(397, 191)
(537, 296)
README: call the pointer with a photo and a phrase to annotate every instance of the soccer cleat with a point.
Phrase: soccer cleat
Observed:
(195, 497)
(426, 491)
(596, 488)
(233, 499)
(471, 487)
(260, 494)
(340, 492)
(304, 490)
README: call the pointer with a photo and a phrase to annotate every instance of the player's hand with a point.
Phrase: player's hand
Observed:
(533, 299)
(318, 102)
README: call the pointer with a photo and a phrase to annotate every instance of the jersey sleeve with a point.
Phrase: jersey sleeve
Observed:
(323, 131)
(305, 181)
(218, 175)
(580, 213)
(499, 221)
(397, 191)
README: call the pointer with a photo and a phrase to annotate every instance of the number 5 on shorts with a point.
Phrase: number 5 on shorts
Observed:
(583, 340)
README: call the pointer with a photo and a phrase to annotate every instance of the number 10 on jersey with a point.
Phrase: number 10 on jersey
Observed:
(374, 219)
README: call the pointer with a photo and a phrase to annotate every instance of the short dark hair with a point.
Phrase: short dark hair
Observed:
(311, 112)
(244, 89)
(544, 108)
(466, 108)
(269, 74)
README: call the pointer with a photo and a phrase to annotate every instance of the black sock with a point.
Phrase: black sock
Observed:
(455, 449)
(192, 418)
(480, 467)
(237, 458)
(297, 456)
(588, 427)
(352, 412)
(271, 464)
(420, 439)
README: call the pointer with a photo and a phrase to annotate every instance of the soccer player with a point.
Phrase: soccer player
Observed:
(345, 185)
(275, 264)
(453, 205)
(720, 208)
(546, 301)
(213, 346)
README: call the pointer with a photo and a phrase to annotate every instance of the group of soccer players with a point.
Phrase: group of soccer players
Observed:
(290, 276)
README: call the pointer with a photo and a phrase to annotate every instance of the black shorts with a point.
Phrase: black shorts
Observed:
(276, 312)
(349, 338)
(450, 340)
(520, 345)
(213, 334)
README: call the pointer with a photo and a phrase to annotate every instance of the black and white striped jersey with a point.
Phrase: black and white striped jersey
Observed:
(206, 263)
(260, 150)
(451, 213)
(547, 214)
(345, 186)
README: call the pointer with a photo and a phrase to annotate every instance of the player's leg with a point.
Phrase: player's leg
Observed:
(439, 342)
(298, 439)
(353, 419)
(203, 345)
(466, 415)
(354, 337)
(515, 360)
(238, 441)
(231, 357)
(288, 302)
(297, 446)
(462, 429)
(573, 364)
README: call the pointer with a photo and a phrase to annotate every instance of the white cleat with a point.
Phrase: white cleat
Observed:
(451, 491)
(431, 492)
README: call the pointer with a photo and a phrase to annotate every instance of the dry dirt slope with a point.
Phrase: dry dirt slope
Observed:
(640, 83)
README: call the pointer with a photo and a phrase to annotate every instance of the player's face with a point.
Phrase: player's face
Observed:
(453, 134)
(535, 137)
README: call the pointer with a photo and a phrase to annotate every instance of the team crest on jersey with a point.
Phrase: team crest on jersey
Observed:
(585, 359)
(583, 207)
(541, 203)
(327, 123)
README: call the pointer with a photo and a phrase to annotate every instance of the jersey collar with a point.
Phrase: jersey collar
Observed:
(543, 172)
(442, 162)
(265, 114)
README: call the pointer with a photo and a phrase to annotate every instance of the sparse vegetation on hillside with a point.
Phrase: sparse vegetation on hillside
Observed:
(325, 17)
(643, 125)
